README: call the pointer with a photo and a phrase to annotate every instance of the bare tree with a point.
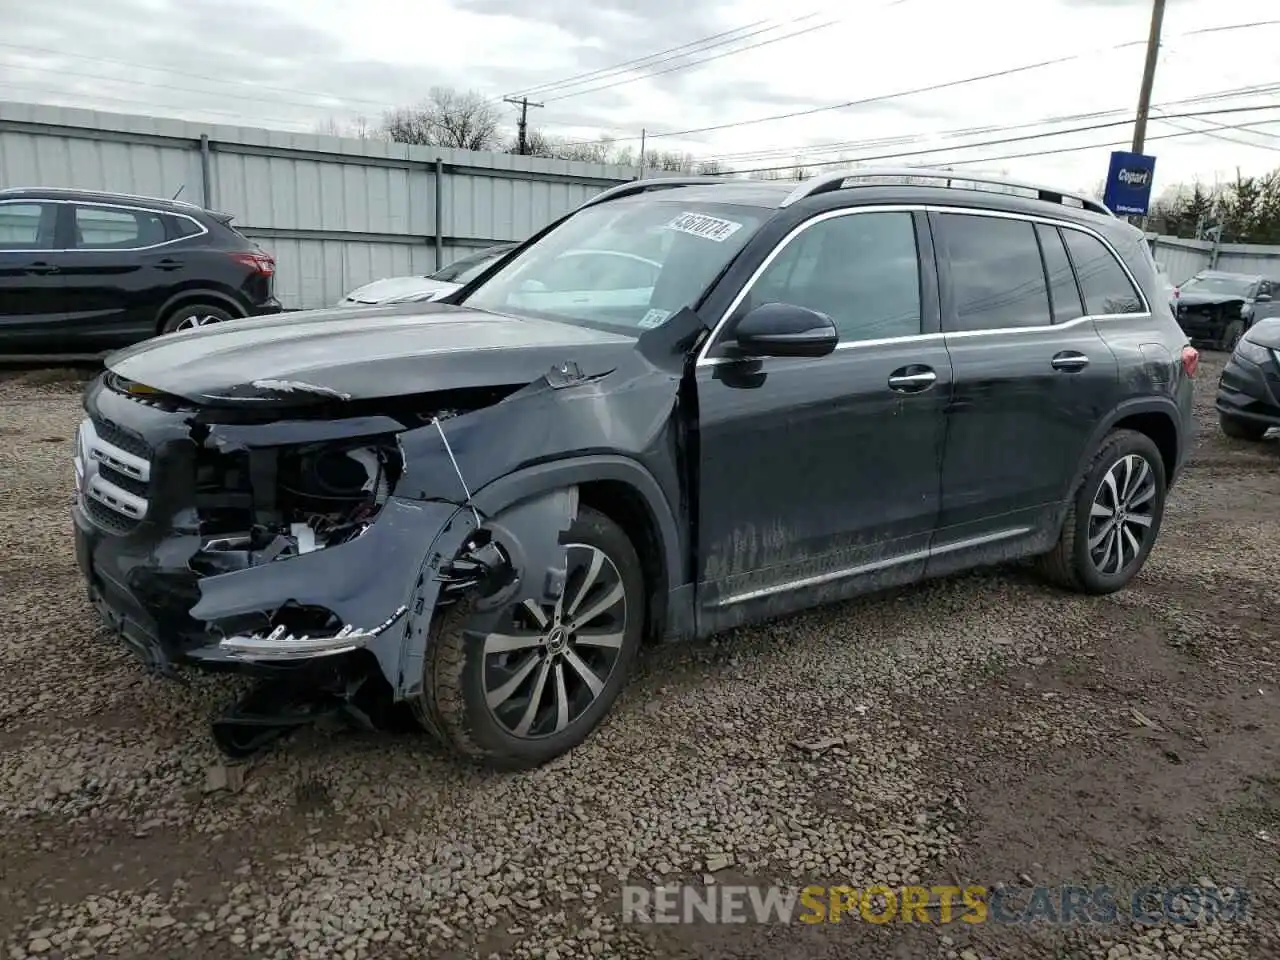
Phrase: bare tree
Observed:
(447, 118)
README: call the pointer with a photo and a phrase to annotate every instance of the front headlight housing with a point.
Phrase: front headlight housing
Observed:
(1246, 349)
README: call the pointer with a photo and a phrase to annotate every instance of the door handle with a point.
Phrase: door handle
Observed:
(1070, 361)
(168, 263)
(41, 267)
(912, 379)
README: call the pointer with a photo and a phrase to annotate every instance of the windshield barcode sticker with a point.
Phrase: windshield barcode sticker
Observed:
(700, 225)
(654, 318)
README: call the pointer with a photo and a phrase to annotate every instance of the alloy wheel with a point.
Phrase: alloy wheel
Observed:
(1122, 514)
(551, 662)
(193, 321)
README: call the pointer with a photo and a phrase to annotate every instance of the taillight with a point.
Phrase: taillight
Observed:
(257, 262)
(1190, 360)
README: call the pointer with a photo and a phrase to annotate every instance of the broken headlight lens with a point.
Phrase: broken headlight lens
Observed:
(1248, 350)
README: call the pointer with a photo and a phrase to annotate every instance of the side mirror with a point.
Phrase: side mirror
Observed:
(785, 330)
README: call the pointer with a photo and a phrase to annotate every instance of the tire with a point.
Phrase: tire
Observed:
(1073, 564)
(193, 315)
(462, 669)
(1231, 335)
(1238, 429)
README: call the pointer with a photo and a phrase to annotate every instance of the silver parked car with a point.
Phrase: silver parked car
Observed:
(430, 287)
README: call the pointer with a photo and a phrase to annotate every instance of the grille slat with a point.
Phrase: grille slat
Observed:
(113, 467)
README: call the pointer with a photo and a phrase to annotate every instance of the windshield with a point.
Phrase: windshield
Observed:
(464, 269)
(1220, 286)
(628, 264)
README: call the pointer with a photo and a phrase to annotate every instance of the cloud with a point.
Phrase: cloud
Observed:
(298, 63)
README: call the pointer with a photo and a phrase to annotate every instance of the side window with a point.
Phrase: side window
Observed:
(1063, 293)
(180, 227)
(861, 269)
(111, 228)
(27, 226)
(997, 277)
(1264, 288)
(1106, 287)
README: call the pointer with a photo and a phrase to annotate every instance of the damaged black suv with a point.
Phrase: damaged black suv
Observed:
(687, 406)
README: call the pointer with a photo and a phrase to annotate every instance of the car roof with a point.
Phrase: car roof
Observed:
(99, 196)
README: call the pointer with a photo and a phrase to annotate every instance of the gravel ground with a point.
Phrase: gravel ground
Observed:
(982, 729)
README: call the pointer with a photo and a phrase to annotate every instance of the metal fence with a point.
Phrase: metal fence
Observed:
(334, 212)
(1183, 259)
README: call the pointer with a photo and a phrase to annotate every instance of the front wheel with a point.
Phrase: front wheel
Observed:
(1114, 518)
(1231, 336)
(519, 687)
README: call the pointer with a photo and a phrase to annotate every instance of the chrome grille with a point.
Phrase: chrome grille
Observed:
(113, 473)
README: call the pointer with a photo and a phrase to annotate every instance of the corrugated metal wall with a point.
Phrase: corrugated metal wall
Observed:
(335, 213)
(1183, 259)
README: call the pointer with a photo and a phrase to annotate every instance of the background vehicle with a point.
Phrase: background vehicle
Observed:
(1248, 399)
(431, 287)
(88, 272)
(487, 505)
(1217, 307)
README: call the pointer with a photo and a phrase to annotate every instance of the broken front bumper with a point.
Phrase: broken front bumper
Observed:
(381, 586)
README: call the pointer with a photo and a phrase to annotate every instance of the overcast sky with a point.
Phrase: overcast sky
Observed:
(297, 63)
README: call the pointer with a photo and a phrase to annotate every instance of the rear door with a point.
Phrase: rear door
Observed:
(117, 274)
(30, 288)
(1032, 379)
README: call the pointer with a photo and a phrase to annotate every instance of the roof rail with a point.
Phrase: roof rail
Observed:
(652, 183)
(836, 181)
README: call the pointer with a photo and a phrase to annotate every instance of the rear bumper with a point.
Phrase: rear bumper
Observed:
(266, 308)
(1248, 391)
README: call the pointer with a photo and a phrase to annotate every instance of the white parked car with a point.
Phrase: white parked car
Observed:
(430, 287)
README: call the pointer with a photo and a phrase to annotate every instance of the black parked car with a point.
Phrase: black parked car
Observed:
(484, 506)
(1248, 398)
(1217, 307)
(86, 272)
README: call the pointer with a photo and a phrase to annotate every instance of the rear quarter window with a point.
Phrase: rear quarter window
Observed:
(1106, 287)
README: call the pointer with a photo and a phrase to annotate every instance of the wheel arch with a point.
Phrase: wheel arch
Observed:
(628, 494)
(1154, 417)
(186, 298)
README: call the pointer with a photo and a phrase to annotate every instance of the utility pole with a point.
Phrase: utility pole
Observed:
(522, 143)
(1148, 76)
(640, 168)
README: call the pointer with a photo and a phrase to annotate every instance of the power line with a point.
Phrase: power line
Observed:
(1221, 136)
(1092, 146)
(931, 88)
(841, 146)
(694, 63)
(622, 67)
(1003, 140)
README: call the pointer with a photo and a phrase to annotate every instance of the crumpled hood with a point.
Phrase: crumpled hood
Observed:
(362, 354)
(1266, 333)
(1193, 299)
(395, 288)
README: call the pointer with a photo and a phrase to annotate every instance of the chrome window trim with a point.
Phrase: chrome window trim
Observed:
(704, 361)
(114, 206)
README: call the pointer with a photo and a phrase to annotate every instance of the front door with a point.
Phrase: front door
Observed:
(30, 286)
(820, 477)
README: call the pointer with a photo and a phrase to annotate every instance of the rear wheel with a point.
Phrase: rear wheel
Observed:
(1114, 518)
(518, 687)
(1238, 429)
(193, 315)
